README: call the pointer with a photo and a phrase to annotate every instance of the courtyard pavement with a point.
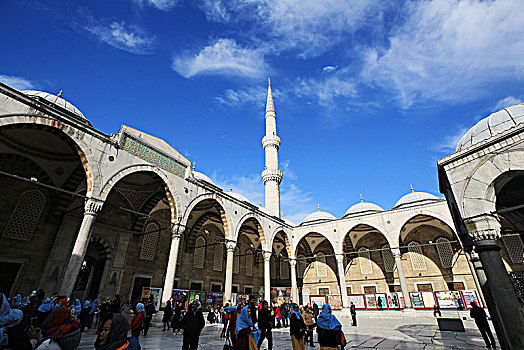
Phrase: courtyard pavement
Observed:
(372, 332)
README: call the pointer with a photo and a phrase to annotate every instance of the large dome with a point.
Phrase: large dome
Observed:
(238, 196)
(319, 216)
(202, 177)
(414, 197)
(363, 207)
(492, 125)
(56, 100)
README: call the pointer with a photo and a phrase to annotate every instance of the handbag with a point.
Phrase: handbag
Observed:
(342, 339)
(228, 345)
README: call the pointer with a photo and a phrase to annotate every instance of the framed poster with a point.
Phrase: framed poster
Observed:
(381, 301)
(445, 300)
(147, 292)
(371, 302)
(416, 300)
(393, 300)
(429, 299)
(469, 296)
(200, 296)
(320, 300)
(401, 300)
(214, 300)
(358, 301)
(335, 301)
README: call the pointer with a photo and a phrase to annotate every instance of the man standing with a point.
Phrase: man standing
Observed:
(479, 315)
(353, 314)
(192, 324)
(264, 324)
(315, 311)
(253, 309)
(150, 311)
(284, 312)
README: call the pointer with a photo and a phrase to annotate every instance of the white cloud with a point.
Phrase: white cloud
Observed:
(18, 83)
(450, 50)
(506, 102)
(295, 203)
(250, 186)
(329, 69)
(326, 90)
(117, 34)
(164, 5)
(449, 143)
(249, 96)
(215, 10)
(223, 57)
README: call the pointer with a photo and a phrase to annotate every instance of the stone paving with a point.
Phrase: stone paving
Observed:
(376, 333)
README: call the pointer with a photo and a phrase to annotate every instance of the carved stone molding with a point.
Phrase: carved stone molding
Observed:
(230, 246)
(93, 206)
(272, 175)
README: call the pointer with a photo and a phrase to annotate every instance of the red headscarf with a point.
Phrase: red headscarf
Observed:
(59, 323)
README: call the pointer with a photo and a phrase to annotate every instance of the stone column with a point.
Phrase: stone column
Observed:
(294, 288)
(476, 271)
(230, 246)
(91, 209)
(401, 276)
(499, 292)
(171, 264)
(267, 277)
(342, 278)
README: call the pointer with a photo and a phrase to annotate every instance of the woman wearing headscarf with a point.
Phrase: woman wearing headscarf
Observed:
(84, 315)
(14, 334)
(168, 313)
(77, 308)
(329, 329)
(113, 335)
(247, 335)
(138, 321)
(60, 328)
(296, 328)
(234, 314)
(44, 311)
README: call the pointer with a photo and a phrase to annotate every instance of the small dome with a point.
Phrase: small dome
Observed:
(414, 197)
(266, 210)
(319, 216)
(238, 196)
(492, 125)
(363, 207)
(289, 222)
(202, 177)
(56, 100)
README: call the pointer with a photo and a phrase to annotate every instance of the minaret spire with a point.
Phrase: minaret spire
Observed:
(271, 176)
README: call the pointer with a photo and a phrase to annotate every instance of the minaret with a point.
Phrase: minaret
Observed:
(271, 176)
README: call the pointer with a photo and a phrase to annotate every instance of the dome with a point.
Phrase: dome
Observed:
(56, 100)
(202, 177)
(289, 222)
(319, 216)
(492, 125)
(415, 197)
(266, 210)
(363, 207)
(238, 196)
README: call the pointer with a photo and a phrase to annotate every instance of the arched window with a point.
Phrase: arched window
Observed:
(301, 266)
(284, 269)
(321, 265)
(199, 253)
(149, 241)
(249, 263)
(236, 261)
(418, 262)
(180, 250)
(218, 257)
(24, 219)
(389, 259)
(515, 248)
(364, 259)
(445, 252)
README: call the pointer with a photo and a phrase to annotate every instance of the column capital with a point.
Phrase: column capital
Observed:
(93, 206)
(483, 228)
(396, 252)
(175, 230)
(231, 245)
(340, 258)
(267, 256)
(292, 263)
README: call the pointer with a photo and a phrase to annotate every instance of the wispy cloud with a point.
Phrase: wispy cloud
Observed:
(325, 90)
(506, 102)
(223, 57)
(215, 10)
(250, 186)
(164, 5)
(249, 96)
(446, 47)
(19, 83)
(329, 69)
(296, 203)
(449, 142)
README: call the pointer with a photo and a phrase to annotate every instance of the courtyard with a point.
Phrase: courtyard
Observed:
(373, 332)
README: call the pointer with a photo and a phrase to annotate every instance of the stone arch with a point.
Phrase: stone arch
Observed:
(296, 242)
(286, 234)
(103, 245)
(172, 196)
(221, 208)
(376, 227)
(423, 212)
(260, 229)
(87, 158)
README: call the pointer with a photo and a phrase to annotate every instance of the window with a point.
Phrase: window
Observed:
(515, 248)
(199, 253)
(323, 291)
(445, 252)
(218, 257)
(301, 266)
(249, 263)
(321, 265)
(273, 267)
(349, 290)
(216, 287)
(370, 289)
(149, 242)
(24, 219)
(284, 269)
(236, 261)
(248, 290)
(416, 256)
(195, 286)
(364, 258)
(180, 250)
(234, 288)
(456, 285)
(389, 259)
(424, 287)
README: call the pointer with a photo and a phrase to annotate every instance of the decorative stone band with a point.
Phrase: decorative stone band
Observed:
(93, 206)
(292, 263)
(272, 175)
(484, 235)
(271, 141)
(340, 258)
(267, 256)
(230, 246)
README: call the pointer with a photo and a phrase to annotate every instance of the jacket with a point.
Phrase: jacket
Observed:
(264, 319)
(193, 323)
(296, 326)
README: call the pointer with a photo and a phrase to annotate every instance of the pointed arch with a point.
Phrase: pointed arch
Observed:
(219, 206)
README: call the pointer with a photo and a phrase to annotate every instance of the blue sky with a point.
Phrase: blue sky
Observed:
(369, 94)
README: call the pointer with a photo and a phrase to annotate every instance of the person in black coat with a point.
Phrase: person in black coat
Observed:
(284, 310)
(168, 314)
(296, 327)
(265, 321)
(175, 323)
(150, 310)
(481, 320)
(315, 311)
(253, 309)
(192, 324)
(353, 311)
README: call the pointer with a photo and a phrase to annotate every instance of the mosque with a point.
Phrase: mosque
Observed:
(93, 215)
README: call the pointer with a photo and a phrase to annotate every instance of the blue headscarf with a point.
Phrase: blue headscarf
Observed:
(18, 301)
(244, 321)
(293, 312)
(46, 306)
(78, 306)
(87, 304)
(140, 308)
(93, 306)
(9, 317)
(326, 320)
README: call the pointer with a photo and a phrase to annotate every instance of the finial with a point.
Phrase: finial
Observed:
(411, 188)
(318, 207)
(269, 81)
(60, 94)
(194, 166)
(231, 188)
(361, 199)
(261, 202)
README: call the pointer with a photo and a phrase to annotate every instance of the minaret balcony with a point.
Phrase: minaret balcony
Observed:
(272, 175)
(271, 141)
